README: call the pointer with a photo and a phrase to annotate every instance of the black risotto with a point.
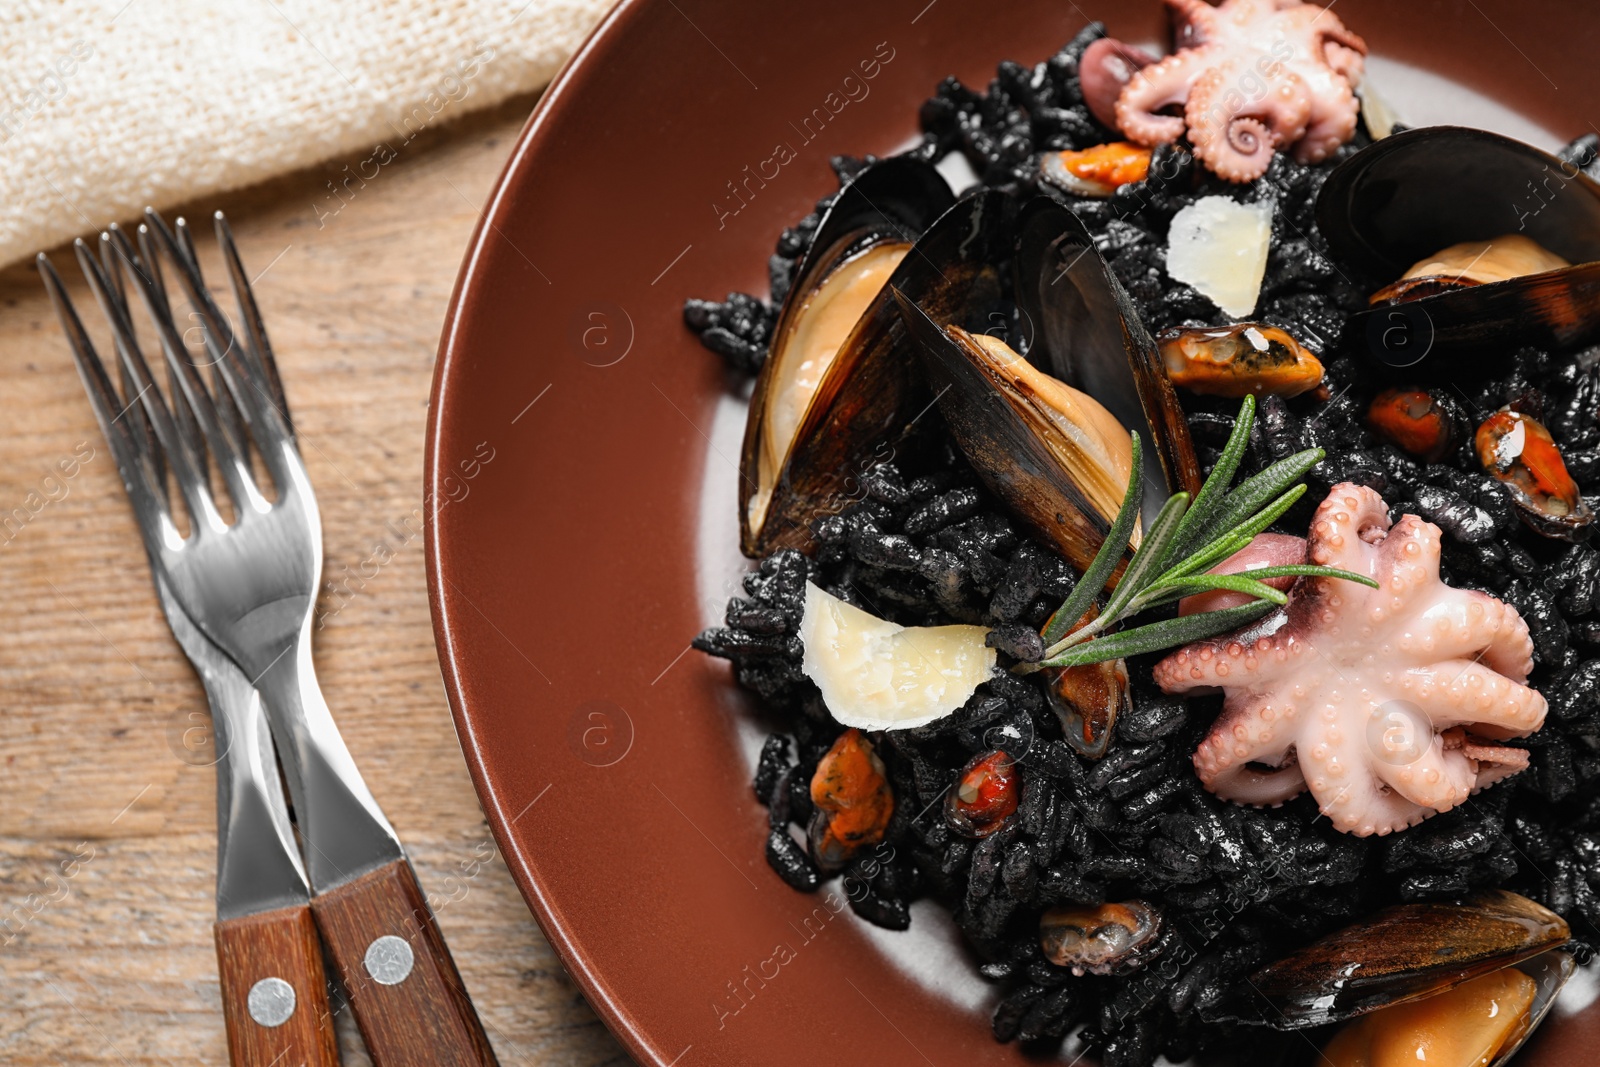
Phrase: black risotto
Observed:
(925, 543)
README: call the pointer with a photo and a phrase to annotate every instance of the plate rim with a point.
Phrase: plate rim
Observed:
(612, 1013)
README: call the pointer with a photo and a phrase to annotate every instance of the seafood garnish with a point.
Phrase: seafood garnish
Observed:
(1428, 202)
(1096, 172)
(1519, 451)
(1470, 263)
(1404, 953)
(1467, 1026)
(1108, 939)
(831, 383)
(877, 675)
(1389, 704)
(1246, 358)
(1219, 246)
(1414, 421)
(851, 799)
(985, 795)
(1305, 63)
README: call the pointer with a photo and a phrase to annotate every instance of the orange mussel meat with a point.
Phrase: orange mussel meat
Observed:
(1245, 359)
(1411, 420)
(1097, 171)
(1519, 451)
(853, 801)
(985, 794)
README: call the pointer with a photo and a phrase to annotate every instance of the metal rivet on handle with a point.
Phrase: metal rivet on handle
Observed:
(389, 960)
(271, 1001)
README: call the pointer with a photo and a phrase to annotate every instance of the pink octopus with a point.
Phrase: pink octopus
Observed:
(1384, 702)
(1251, 76)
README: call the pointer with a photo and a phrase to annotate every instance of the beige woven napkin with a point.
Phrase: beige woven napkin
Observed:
(108, 106)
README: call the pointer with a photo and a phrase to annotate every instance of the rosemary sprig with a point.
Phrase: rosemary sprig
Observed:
(1186, 539)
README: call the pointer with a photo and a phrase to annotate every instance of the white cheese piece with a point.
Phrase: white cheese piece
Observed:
(1219, 246)
(875, 675)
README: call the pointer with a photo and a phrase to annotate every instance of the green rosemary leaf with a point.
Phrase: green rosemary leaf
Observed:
(1156, 636)
(1215, 490)
(1178, 588)
(1105, 560)
(1234, 540)
(1255, 491)
(1309, 570)
(1151, 557)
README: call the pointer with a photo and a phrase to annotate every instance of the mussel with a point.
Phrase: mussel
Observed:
(1404, 953)
(1416, 421)
(1500, 242)
(1112, 938)
(852, 800)
(1047, 427)
(1239, 360)
(1053, 453)
(1518, 451)
(1096, 172)
(1046, 424)
(985, 794)
(833, 384)
(1480, 1023)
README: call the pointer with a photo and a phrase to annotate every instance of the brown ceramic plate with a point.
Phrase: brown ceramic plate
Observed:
(580, 461)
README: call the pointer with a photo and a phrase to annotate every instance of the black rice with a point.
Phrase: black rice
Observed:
(926, 543)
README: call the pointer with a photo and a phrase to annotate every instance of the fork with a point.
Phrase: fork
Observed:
(249, 586)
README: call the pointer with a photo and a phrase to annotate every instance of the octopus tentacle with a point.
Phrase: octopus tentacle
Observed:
(1348, 789)
(1462, 693)
(1236, 136)
(1247, 757)
(1330, 125)
(1208, 664)
(1344, 527)
(1437, 778)
(1151, 89)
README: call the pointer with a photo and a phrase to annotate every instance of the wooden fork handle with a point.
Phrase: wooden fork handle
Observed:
(274, 991)
(408, 998)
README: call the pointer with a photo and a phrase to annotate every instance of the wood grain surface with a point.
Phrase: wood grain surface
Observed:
(107, 804)
(280, 944)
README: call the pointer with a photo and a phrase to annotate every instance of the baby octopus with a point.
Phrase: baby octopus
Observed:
(1385, 702)
(1250, 77)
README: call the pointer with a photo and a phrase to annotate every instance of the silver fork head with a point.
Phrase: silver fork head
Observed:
(250, 584)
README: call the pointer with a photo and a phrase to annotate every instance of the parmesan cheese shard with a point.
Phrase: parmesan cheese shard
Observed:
(876, 675)
(1219, 246)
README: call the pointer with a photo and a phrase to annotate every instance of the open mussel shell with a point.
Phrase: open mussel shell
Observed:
(803, 455)
(1410, 196)
(1045, 424)
(1079, 325)
(1402, 953)
(1550, 972)
(990, 400)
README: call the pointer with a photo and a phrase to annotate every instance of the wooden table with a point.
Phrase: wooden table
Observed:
(107, 812)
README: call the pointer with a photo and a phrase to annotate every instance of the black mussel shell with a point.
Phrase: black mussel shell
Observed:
(897, 199)
(1402, 953)
(1411, 195)
(1080, 326)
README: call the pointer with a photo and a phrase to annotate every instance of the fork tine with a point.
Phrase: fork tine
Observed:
(189, 388)
(145, 270)
(134, 418)
(221, 392)
(245, 378)
(133, 463)
(196, 494)
(250, 319)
